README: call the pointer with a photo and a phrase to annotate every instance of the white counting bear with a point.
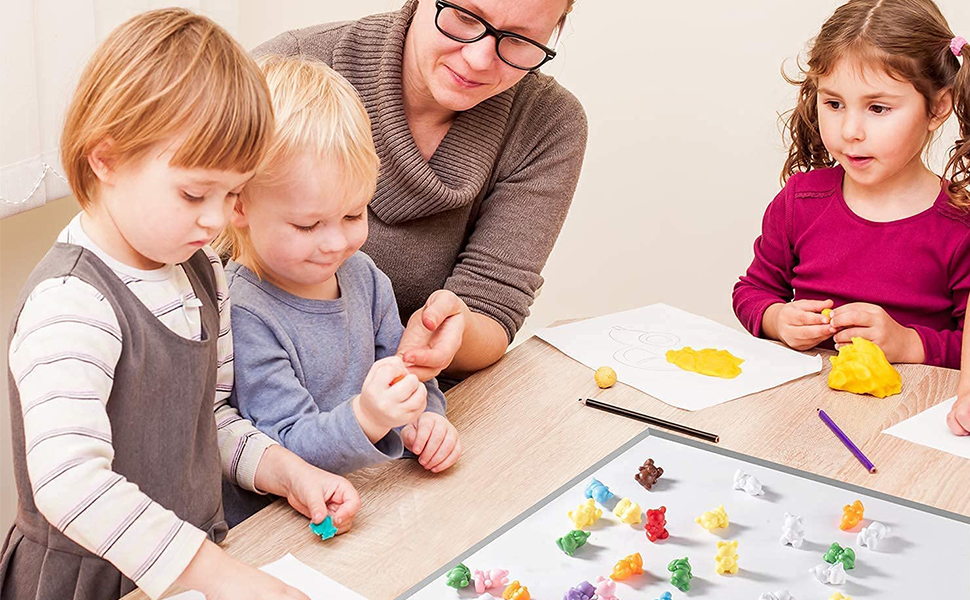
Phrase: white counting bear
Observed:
(792, 532)
(779, 595)
(871, 535)
(826, 573)
(747, 483)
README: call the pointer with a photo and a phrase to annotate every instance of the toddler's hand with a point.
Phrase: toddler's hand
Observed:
(390, 397)
(871, 322)
(434, 439)
(800, 324)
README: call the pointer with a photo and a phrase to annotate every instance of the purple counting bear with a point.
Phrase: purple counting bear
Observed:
(583, 591)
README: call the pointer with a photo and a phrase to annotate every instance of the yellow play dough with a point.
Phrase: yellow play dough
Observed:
(708, 361)
(861, 368)
(826, 312)
(605, 377)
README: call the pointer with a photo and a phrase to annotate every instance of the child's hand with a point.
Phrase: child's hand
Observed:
(222, 577)
(433, 335)
(800, 324)
(958, 419)
(390, 397)
(434, 439)
(313, 492)
(871, 322)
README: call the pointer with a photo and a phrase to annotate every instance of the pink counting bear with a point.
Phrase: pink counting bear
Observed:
(488, 579)
(605, 589)
(656, 524)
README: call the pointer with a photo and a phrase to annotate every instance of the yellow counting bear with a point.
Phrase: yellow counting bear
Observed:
(713, 519)
(861, 368)
(727, 558)
(707, 361)
(839, 596)
(585, 514)
(628, 511)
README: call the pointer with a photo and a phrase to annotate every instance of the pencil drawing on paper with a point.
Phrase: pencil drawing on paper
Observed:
(644, 350)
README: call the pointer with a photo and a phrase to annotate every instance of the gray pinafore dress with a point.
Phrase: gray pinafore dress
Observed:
(162, 428)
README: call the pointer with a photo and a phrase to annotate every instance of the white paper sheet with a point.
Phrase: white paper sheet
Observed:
(291, 571)
(635, 342)
(928, 428)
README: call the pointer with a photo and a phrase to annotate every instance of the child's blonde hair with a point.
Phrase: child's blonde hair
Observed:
(167, 74)
(911, 40)
(317, 112)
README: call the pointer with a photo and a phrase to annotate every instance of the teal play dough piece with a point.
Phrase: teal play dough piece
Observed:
(324, 529)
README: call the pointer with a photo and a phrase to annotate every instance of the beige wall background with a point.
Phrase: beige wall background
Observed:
(684, 153)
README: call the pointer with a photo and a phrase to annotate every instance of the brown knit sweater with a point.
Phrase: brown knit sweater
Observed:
(481, 217)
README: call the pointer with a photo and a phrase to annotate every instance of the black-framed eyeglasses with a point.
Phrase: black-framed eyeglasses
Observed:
(466, 27)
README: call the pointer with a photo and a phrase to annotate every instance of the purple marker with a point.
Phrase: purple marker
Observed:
(845, 440)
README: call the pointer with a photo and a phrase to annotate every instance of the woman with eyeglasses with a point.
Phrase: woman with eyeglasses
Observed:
(480, 155)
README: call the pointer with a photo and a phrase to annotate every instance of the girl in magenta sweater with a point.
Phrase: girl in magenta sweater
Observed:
(862, 225)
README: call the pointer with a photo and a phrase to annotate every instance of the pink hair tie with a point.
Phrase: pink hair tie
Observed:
(957, 44)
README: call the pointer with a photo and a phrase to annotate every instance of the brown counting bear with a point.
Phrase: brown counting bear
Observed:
(649, 474)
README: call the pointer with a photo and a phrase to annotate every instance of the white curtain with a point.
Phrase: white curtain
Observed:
(44, 45)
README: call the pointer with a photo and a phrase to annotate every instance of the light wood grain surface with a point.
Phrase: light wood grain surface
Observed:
(525, 434)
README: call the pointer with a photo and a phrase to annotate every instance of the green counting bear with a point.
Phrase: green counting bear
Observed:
(681, 575)
(459, 577)
(572, 540)
(325, 528)
(838, 554)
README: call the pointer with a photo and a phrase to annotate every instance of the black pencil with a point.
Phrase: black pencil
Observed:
(632, 414)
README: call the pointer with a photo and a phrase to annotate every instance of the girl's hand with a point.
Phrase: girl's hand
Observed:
(434, 439)
(800, 324)
(313, 492)
(222, 577)
(958, 419)
(871, 322)
(433, 335)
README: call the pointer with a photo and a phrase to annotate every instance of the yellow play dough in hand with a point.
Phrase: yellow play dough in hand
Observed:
(708, 361)
(861, 368)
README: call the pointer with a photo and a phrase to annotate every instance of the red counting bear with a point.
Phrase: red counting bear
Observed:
(656, 524)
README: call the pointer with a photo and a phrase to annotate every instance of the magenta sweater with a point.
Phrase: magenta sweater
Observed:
(812, 246)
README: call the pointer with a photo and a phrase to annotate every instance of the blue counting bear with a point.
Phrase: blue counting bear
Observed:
(665, 596)
(598, 491)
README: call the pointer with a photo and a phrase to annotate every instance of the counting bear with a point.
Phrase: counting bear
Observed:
(656, 524)
(727, 558)
(648, 474)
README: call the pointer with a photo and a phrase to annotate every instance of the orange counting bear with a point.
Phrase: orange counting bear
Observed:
(851, 515)
(515, 591)
(628, 567)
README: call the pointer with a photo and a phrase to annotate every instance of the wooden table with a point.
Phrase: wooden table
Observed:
(524, 435)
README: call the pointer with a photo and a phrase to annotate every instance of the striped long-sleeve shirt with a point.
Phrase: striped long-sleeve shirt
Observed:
(65, 347)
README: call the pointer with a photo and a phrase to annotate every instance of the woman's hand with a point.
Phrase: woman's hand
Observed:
(433, 335)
